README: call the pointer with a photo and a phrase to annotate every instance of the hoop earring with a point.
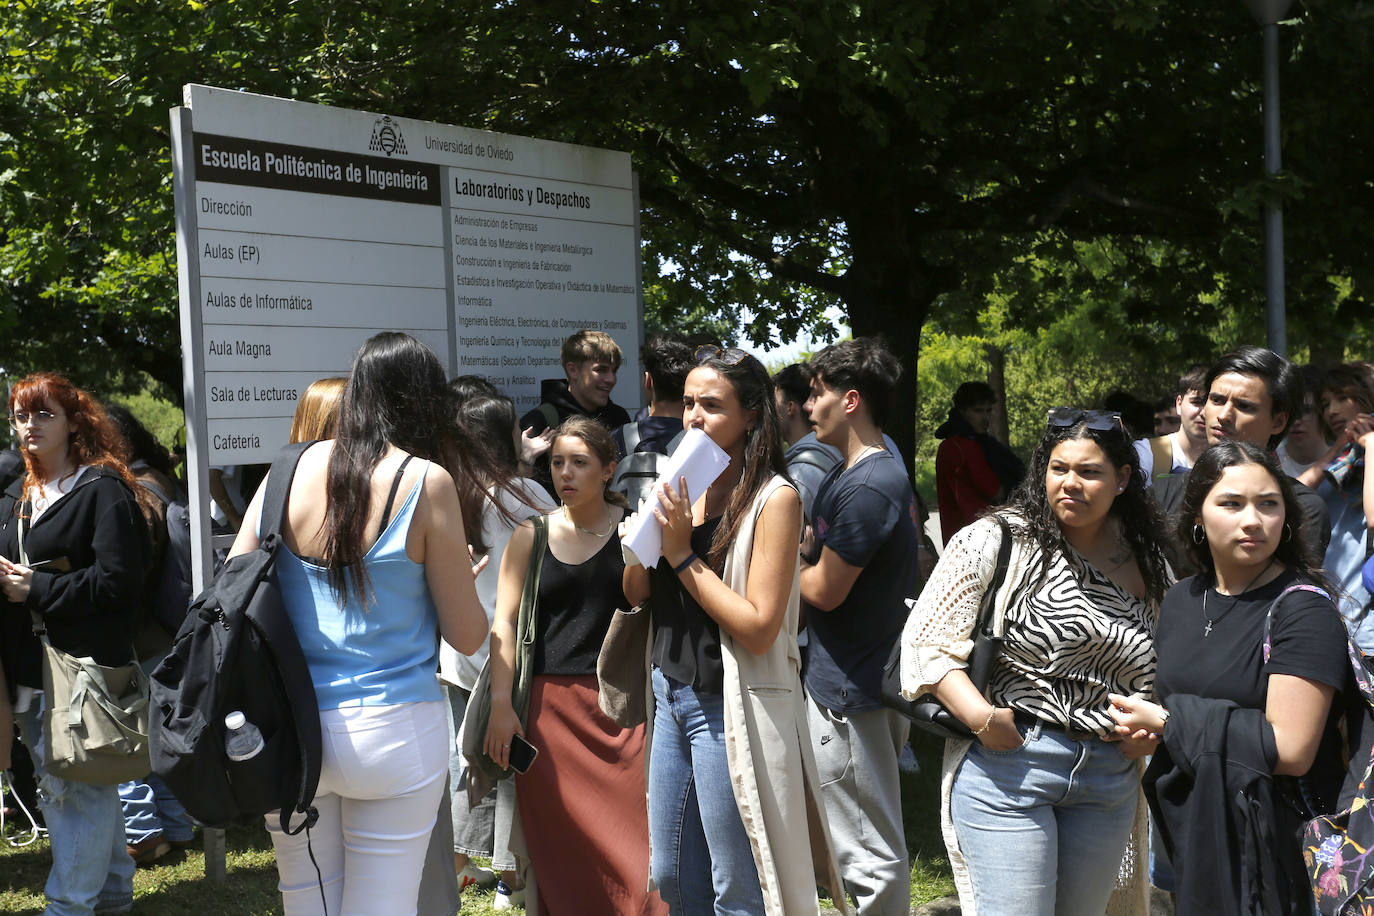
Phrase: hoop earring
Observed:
(1199, 534)
(1287, 533)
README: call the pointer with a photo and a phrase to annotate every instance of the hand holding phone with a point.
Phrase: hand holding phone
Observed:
(522, 753)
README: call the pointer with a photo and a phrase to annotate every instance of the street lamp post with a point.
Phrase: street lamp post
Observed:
(1268, 13)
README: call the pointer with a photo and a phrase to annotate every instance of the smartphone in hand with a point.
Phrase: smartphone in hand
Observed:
(522, 754)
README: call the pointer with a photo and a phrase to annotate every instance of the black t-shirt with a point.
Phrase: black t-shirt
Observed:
(686, 638)
(1307, 639)
(576, 604)
(867, 515)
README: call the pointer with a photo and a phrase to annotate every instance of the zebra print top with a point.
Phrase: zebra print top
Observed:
(1068, 641)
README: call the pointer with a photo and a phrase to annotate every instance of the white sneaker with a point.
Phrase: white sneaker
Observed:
(475, 876)
(507, 898)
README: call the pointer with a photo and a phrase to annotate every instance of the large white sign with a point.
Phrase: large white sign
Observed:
(315, 227)
(302, 230)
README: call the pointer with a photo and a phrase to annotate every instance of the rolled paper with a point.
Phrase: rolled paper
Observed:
(700, 461)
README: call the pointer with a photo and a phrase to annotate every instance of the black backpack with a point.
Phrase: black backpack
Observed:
(170, 596)
(637, 471)
(237, 650)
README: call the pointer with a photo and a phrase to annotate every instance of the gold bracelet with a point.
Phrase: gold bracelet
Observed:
(986, 724)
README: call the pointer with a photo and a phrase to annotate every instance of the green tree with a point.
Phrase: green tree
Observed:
(900, 160)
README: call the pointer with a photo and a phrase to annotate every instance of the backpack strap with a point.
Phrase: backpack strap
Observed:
(279, 488)
(1162, 451)
(815, 456)
(157, 491)
(1269, 614)
(629, 434)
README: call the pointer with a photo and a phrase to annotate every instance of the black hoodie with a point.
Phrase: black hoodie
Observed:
(555, 393)
(96, 533)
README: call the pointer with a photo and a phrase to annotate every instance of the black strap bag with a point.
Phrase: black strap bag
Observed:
(928, 713)
(237, 650)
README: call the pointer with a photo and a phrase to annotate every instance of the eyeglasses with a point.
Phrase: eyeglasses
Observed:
(731, 357)
(24, 418)
(1102, 420)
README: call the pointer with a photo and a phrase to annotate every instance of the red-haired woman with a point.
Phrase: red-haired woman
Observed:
(86, 545)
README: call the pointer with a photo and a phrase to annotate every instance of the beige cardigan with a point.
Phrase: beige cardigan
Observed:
(768, 746)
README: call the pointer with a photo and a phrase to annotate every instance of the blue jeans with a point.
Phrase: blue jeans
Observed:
(702, 861)
(91, 869)
(149, 806)
(1043, 827)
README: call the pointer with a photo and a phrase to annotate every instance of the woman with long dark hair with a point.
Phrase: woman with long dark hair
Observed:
(732, 774)
(374, 570)
(1245, 734)
(1038, 809)
(76, 518)
(495, 502)
(154, 821)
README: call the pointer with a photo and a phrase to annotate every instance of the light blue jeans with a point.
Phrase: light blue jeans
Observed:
(150, 807)
(702, 861)
(91, 869)
(1043, 827)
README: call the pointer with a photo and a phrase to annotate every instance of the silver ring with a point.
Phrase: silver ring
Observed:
(505, 747)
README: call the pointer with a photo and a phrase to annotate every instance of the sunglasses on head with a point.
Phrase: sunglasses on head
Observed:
(1103, 420)
(731, 357)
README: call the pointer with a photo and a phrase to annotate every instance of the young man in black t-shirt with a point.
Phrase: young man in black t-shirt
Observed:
(859, 566)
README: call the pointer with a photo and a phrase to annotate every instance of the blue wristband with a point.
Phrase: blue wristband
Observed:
(677, 570)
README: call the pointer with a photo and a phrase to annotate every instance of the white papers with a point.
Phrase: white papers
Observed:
(696, 458)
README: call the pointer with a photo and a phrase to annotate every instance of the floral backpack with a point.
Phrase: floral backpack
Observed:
(1338, 849)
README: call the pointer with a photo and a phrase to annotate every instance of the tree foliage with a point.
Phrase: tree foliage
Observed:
(903, 161)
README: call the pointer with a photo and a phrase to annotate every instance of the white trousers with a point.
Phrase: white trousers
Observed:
(381, 779)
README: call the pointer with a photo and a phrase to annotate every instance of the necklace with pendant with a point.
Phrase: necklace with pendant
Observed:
(1235, 599)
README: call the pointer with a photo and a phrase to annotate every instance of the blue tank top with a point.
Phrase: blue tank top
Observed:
(383, 655)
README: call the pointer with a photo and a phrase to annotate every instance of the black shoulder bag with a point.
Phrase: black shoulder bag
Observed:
(928, 713)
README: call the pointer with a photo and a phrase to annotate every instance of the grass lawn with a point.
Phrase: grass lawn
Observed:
(931, 878)
(176, 886)
(173, 889)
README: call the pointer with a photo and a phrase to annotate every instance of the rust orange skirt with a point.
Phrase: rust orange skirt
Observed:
(582, 804)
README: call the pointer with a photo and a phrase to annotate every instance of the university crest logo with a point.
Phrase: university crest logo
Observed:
(386, 138)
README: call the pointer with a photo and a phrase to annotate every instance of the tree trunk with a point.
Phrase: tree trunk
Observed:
(997, 378)
(891, 291)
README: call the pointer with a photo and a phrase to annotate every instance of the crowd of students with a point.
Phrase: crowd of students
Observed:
(1175, 598)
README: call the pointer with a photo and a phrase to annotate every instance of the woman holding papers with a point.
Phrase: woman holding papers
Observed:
(734, 802)
(579, 803)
